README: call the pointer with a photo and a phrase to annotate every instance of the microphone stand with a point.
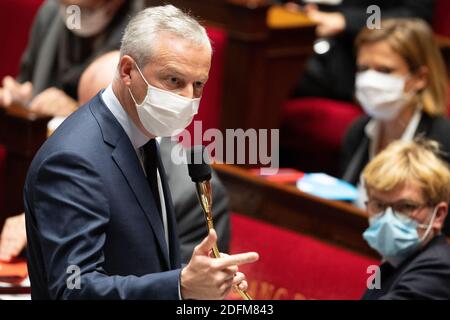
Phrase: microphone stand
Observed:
(204, 194)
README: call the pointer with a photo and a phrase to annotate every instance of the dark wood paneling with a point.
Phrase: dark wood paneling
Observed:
(22, 133)
(285, 206)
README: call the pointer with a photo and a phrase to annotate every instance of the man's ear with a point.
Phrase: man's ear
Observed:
(126, 64)
(441, 214)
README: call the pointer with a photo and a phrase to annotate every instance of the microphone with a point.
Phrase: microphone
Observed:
(200, 173)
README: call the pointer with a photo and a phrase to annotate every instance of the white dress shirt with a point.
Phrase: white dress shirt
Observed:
(372, 130)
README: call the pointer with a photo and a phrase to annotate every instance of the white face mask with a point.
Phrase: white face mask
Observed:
(164, 113)
(91, 22)
(381, 95)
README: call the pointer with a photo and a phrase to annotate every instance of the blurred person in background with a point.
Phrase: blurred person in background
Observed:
(402, 86)
(330, 72)
(408, 194)
(66, 36)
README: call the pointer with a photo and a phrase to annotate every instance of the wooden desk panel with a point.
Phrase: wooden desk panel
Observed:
(22, 133)
(285, 206)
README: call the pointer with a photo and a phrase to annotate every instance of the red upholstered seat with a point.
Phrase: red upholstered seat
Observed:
(16, 18)
(313, 130)
(441, 22)
(293, 266)
(2, 177)
(326, 119)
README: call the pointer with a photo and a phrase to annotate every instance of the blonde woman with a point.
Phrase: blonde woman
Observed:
(408, 188)
(401, 85)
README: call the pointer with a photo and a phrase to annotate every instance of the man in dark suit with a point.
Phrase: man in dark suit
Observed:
(188, 213)
(408, 194)
(97, 202)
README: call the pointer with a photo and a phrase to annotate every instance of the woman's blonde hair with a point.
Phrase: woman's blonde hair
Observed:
(413, 40)
(414, 162)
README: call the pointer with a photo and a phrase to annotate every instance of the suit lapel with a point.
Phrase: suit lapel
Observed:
(126, 159)
(175, 258)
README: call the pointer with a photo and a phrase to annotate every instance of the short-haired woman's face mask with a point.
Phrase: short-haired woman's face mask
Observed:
(381, 95)
(395, 238)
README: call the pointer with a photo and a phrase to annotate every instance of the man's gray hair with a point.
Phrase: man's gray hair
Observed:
(143, 29)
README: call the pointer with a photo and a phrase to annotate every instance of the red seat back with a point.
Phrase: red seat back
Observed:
(210, 106)
(313, 130)
(293, 266)
(2, 178)
(441, 22)
(16, 18)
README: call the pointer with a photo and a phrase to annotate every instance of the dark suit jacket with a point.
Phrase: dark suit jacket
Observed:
(425, 275)
(190, 218)
(355, 150)
(88, 204)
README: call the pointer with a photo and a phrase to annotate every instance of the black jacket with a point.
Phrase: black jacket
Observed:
(425, 275)
(355, 150)
(434, 128)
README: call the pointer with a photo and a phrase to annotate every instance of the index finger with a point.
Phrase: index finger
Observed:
(236, 259)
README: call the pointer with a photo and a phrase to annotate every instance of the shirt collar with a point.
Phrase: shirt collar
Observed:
(137, 138)
(372, 130)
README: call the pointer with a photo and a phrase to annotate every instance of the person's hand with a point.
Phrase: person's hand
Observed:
(15, 92)
(328, 23)
(293, 7)
(208, 278)
(239, 277)
(53, 102)
(13, 238)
